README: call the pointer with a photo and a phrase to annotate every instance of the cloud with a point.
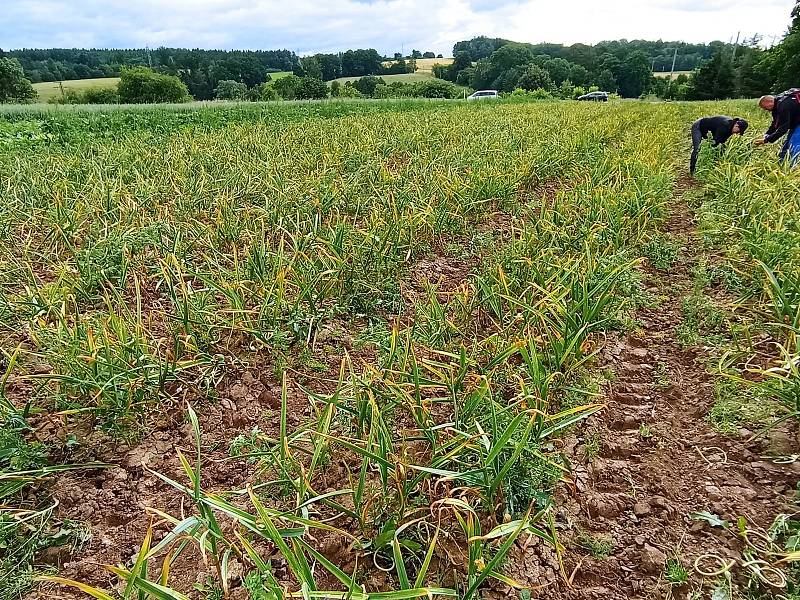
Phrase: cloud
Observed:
(310, 25)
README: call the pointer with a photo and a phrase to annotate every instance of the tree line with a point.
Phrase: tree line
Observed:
(526, 66)
(659, 53)
(618, 66)
(202, 70)
(719, 70)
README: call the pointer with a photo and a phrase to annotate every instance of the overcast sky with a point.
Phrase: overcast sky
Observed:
(308, 26)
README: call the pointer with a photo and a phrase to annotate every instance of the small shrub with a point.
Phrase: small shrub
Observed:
(436, 89)
(348, 91)
(268, 93)
(286, 87)
(366, 85)
(101, 96)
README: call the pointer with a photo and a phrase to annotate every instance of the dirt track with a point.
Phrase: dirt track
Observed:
(643, 484)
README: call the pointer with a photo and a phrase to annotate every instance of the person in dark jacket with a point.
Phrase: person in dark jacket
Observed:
(785, 110)
(721, 129)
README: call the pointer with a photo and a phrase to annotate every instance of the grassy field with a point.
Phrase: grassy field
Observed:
(52, 89)
(279, 75)
(333, 350)
(665, 75)
(426, 64)
(424, 71)
(404, 77)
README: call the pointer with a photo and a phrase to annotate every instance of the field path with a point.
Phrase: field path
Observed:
(648, 461)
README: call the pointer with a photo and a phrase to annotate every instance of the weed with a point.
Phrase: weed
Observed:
(598, 546)
(661, 375)
(247, 444)
(591, 446)
(674, 572)
(209, 589)
(686, 334)
(257, 588)
(701, 317)
(662, 252)
(737, 405)
(456, 250)
(308, 360)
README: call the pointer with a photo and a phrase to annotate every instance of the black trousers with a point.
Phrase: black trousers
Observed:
(697, 139)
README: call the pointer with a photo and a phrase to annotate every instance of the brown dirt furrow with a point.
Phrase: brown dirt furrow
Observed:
(658, 459)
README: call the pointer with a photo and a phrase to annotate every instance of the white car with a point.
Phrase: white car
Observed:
(484, 95)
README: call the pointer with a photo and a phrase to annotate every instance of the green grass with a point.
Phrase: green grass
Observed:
(666, 74)
(739, 405)
(402, 77)
(279, 75)
(53, 89)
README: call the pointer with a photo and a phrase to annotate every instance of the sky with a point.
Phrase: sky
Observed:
(308, 26)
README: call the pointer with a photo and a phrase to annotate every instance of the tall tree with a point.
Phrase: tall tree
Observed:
(559, 70)
(635, 75)
(787, 55)
(534, 78)
(506, 58)
(331, 66)
(311, 67)
(714, 80)
(14, 87)
(606, 81)
(578, 74)
(357, 63)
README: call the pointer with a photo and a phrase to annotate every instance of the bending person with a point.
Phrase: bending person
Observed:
(721, 129)
(785, 109)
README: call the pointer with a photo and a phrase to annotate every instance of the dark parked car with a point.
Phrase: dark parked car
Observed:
(594, 97)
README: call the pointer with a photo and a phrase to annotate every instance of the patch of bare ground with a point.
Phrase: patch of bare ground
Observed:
(651, 459)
